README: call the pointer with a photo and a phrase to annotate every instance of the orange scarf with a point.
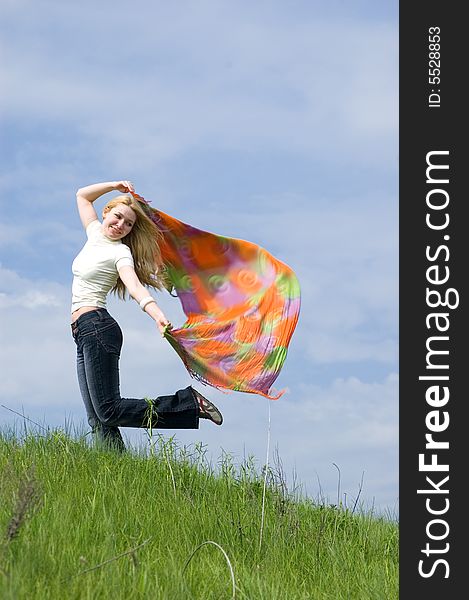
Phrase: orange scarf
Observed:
(241, 303)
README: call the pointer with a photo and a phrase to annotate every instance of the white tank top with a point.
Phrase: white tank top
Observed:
(96, 268)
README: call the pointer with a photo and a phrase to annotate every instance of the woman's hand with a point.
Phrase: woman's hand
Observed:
(157, 314)
(124, 186)
(163, 327)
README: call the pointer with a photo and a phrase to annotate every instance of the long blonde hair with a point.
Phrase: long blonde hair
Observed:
(143, 240)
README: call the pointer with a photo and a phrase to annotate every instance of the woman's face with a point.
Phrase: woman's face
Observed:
(118, 222)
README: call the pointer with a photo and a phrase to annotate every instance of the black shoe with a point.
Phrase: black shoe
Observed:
(207, 410)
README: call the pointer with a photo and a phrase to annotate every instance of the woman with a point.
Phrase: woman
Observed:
(121, 255)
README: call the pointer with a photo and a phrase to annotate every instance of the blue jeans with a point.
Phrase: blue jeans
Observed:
(99, 341)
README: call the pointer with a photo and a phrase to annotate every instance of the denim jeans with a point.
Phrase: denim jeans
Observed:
(99, 341)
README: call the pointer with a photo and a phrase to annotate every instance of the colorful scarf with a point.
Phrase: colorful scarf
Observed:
(241, 303)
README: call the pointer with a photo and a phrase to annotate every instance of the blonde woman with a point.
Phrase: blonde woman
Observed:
(121, 255)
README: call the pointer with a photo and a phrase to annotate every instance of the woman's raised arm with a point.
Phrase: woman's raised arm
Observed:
(87, 195)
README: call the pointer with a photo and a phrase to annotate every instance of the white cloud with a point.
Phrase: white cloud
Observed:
(219, 78)
(31, 300)
(33, 354)
(332, 347)
(14, 235)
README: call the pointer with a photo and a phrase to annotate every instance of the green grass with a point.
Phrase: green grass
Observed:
(76, 522)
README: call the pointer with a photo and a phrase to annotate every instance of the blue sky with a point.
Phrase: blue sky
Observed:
(269, 121)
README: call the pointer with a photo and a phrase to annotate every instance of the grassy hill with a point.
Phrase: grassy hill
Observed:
(80, 523)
